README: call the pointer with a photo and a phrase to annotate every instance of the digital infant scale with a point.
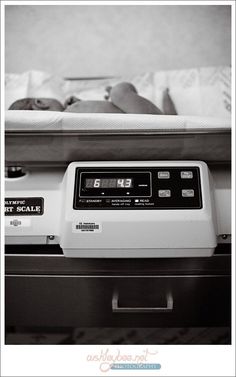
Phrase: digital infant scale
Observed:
(171, 205)
(116, 209)
(123, 217)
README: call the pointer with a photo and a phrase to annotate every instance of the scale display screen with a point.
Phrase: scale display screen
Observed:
(114, 183)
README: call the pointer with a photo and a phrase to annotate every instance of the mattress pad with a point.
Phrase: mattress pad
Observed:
(33, 121)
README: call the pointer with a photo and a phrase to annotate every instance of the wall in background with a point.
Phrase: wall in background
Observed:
(112, 40)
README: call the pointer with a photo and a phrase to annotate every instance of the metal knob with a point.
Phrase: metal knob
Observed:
(14, 172)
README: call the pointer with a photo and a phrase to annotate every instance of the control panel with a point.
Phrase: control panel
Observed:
(138, 188)
(137, 209)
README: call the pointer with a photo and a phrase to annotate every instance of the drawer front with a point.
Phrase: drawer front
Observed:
(117, 301)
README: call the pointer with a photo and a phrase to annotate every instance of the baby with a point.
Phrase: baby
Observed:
(49, 104)
(122, 98)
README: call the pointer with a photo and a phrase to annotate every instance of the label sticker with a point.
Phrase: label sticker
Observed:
(17, 223)
(81, 227)
(24, 206)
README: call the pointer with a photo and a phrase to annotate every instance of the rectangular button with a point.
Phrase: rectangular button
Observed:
(186, 174)
(163, 174)
(188, 193)
(164, 193)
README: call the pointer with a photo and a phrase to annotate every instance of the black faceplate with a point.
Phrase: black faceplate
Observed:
(152, 188)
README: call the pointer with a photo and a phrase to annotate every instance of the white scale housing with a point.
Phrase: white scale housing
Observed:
(140, 228)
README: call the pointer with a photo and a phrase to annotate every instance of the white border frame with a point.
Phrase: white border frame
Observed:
(73, 360)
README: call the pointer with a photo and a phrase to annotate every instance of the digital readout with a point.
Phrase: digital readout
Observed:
(108, 182)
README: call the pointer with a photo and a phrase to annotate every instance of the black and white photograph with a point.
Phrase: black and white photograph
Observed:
(117, 188)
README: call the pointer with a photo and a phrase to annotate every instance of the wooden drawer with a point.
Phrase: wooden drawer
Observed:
(110, 301)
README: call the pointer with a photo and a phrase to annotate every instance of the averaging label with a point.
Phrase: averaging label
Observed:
(24, 206)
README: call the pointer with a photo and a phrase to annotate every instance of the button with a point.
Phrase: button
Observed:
(186, 174)
(188, 193)
(163, 175)
(164, 193)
